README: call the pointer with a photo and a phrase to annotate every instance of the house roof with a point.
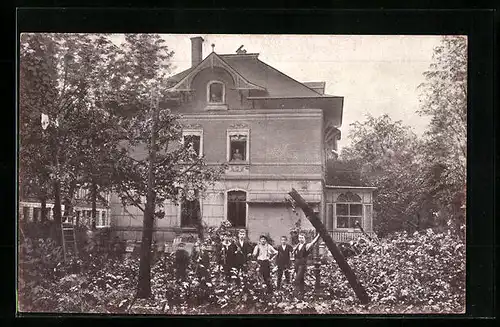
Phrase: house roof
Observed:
(316, 86)
(276, 83)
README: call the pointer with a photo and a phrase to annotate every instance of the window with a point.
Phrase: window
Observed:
(216, 92)
(349, 210)
(101, 219)
(195, 138)
(194, 141)
(190, 212)
(26, 213)
(237, 208)
(237, 146)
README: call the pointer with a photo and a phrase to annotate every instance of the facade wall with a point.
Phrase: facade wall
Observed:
(288, 138)
(275, 218)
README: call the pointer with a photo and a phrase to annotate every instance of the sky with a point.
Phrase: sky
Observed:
(375, 74)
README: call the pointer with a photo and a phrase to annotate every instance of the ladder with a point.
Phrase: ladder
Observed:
(68, 240)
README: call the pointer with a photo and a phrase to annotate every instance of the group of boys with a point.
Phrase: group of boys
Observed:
(232, 257)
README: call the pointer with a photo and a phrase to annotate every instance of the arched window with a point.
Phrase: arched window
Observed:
(216, 92)
(237, 208)
(349, 210)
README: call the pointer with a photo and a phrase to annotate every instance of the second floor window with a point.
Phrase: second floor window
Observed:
(237, 146)
(195, 139)
(216, 92)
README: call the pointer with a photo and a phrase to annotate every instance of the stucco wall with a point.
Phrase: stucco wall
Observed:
(261, 218)
(274, 219)
(288, 139)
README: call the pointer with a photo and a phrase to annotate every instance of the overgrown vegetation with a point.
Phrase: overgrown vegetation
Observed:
(404, 273)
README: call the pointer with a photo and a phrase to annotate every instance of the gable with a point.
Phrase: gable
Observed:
(213, 60)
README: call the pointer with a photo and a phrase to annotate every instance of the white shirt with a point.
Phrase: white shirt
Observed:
(264, 251)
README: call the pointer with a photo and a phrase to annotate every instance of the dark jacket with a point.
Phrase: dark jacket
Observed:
(181, 258)
(283, 256)
(301, 255)
(238, 255)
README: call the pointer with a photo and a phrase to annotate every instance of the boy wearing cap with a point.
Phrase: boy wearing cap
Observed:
(264, 253)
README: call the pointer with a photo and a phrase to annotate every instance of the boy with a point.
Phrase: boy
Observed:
(202, 260)
(283, 260)
(301, 252)
(264, 253)
(239, 252)
(225, 256)
(181, 262)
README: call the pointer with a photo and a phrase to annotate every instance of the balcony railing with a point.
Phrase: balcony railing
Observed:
(347, 236)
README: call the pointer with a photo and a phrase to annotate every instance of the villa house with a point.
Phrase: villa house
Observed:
(275, 133)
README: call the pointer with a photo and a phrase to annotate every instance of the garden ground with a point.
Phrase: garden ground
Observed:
(403, 274)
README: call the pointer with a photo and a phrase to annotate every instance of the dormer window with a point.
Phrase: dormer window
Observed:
(216, 92)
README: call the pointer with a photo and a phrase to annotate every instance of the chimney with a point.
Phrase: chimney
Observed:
(196, 50)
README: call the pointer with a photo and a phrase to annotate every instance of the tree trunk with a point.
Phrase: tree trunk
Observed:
(57, 212)
(94, 205)
(43, 217)
(144, 282)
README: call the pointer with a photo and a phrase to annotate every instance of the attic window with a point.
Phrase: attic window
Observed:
(216, 92)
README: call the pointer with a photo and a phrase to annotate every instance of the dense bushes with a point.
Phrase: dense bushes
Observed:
(421, 272)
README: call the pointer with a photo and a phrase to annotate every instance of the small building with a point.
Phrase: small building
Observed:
(275, 133)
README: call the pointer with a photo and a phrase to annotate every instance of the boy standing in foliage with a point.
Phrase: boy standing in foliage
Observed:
(239, 253)
(301, 252)
(265, 253)
(225, 256)
(181, 262)
(283, 260)
(201, 260)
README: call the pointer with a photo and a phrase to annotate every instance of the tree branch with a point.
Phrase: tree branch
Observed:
(134, 202)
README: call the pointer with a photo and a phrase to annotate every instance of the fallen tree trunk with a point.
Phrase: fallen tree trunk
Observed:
(330, 244)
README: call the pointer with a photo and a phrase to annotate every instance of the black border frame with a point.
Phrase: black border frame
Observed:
(478, 24)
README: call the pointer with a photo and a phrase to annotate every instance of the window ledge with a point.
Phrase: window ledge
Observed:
(238, 162)
(216, 106)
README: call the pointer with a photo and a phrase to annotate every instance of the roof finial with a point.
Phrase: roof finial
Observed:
(213, 47)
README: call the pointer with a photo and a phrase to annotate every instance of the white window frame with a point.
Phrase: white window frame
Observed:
(361, 219)
(232, 132)
(223, 92)
(194, 132)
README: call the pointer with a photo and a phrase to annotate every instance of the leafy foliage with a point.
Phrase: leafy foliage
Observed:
(423, 272)
(389, 156)
(444, 100)
(420, 181)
